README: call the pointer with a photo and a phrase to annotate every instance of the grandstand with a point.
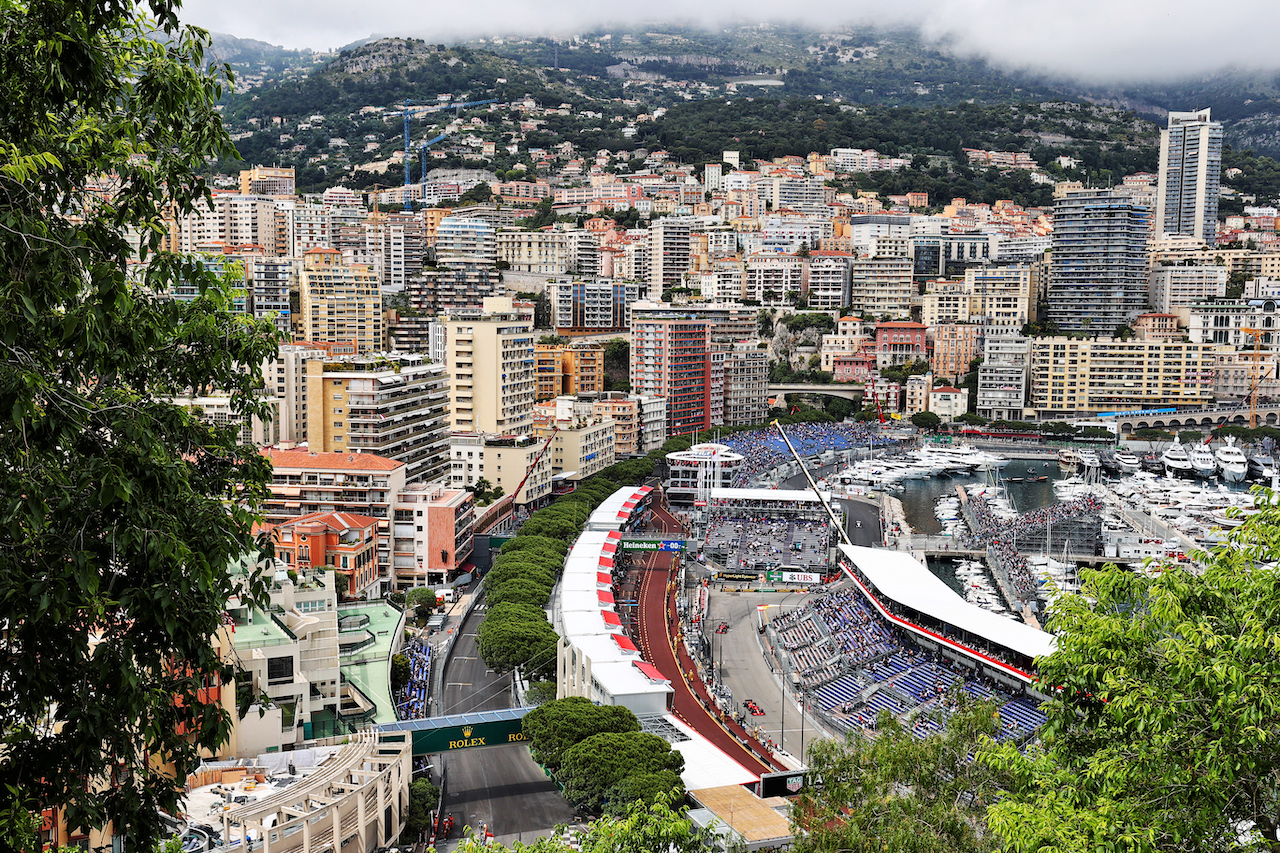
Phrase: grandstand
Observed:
(894, 638)
(767, 529)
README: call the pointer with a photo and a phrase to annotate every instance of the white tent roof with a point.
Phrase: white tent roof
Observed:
(705, 764)
(898, 576)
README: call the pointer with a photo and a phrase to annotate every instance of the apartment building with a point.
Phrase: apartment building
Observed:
(572, 369)
(394, 404)
(1190, 176)
(915, 394)
(1076, 378)
(1173, 289)
(503, 460)
(398, 239)
(580, 446)
(1002, 377)
(1226, 321)
(728, 322)
(268, 180)
(826, 284)
(285, 377)
(269, 281)
(670, 244)
(880, 287)
(746, 384)
(339, 302)
(900, 342)
(216, 408)
(468, 236)
(592, 305)
(492, 382)
(434, 534)
(669, 359)
(457, 283)
(955, 346)
(1098, 277)
(772, 278)
(555, 252)
(232, 220)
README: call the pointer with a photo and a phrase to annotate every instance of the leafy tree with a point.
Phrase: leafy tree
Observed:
(556, 726)
(399, 671)
(514, 636)
(541, 692)
(971, 419)
(1151, 435)
(420, 595)
(595, 765)
(926, 420)
(641, 788)
(1190, 436)
(897, 792)
(423, 797)
(1162, 732)
(124, 512)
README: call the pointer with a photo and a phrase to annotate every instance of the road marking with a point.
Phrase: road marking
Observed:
(458, 684)
(464, 657)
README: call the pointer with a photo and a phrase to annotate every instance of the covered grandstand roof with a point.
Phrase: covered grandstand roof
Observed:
(902, 578)
(619, 505)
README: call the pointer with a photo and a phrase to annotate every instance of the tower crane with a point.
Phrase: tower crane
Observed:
(1255, 377)
(541, 453)
(412, 108)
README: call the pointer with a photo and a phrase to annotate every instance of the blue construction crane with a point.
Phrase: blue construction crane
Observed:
(422, 153)
(413, 108)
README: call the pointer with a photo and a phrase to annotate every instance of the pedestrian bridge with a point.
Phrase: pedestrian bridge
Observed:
(474, 730)
(846, 390)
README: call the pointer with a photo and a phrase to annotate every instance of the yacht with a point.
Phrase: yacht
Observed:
(1127, 462)
(1202, 462)
(1262, 467)
(1175, 459)
(1088, 459)
(1232, 464)
(1068, 460)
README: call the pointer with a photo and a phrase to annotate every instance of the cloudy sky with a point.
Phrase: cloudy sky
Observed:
(1085, 39)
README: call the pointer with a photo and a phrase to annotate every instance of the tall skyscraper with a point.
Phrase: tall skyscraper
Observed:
(1098, 272)
(1190, 173)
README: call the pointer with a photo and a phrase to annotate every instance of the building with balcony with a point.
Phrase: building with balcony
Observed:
(669, 358)
(592, 305)
(339, 302)
(580, 446)
(1098, 276)
(393, 404)
(434, 534)
(900, 342)
(1173, 289)
(1002, 378)
(1076, 378)
(492, 378)
(569, 369)
(1190, 175)
(955, 346)
(345, 543)
(880, 287)
(503, 460)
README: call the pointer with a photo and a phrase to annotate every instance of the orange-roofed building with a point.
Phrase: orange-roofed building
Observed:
(345, 542)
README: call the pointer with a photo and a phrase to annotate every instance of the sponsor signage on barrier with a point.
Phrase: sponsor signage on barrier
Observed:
(793, 577)
(652, 545)
(784, 784)
(737, 576)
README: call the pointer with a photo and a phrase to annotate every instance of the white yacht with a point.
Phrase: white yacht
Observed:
(1127, 462)
(1232, 464)
(1262, 467)
(1202, 462)
(1068, 461)
(1088, 459)
(1175, 459)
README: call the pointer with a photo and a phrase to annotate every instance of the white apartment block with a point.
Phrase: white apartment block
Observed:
(773, 279)
(466, 236)
(1002, 378)
(1174, 289)
(1071, 377)
(492, 381)
(881, 287)
(827, 283)
(286, 379)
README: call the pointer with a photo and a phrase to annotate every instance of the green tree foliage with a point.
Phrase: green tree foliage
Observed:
(123, 512)
(1190, 436)
(896, 792)
(556, 726)
(971, 419)
(926, 420)
(593, 766)
(518, 636)
(399, 672)
(1162, 735)
(1151, 434)
(423, 797)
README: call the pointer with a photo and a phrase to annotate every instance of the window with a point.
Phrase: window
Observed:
(279, 669)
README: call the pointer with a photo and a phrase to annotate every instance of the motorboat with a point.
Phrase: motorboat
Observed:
(1176, 461)
(1232, 463)
(1203, 464)
(1262, 467)
(1127, 462)
(1088, 459)
(1068, 461)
